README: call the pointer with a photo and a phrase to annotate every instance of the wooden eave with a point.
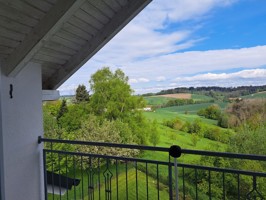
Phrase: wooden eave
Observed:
(61, 35)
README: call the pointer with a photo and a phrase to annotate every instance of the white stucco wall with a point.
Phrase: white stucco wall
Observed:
(21, 124)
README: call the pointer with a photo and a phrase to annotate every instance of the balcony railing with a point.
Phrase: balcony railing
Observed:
(121, 171)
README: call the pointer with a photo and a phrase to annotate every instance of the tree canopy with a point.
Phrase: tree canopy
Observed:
(112, 96)
(82, 95)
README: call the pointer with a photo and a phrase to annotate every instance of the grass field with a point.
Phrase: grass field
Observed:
(255, 96)
(156, 100)
(192, 108)
(199, 97)
(186, 111)
(163, 99)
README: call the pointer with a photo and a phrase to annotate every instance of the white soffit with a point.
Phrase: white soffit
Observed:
(61, 35)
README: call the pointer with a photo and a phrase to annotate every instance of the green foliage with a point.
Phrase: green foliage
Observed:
(154, 134)
(62, 110)
(223, 120)
(194, 139)
(217, 134)
(50, 125)
(175, 123)
(178, 102)
(196, 127)
(97, 130)
(72, 120)
(251, 112)
(52, 107)
(211, 112)
(112, 96)
(82, 95)
(249, 140)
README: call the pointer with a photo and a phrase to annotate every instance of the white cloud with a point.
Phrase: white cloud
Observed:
(199, 61)
(159, 12)
(244, 74)
(132, 80)
(160, 78)
(172, 84)
(138, 80)
(240, 78)
(144, 80)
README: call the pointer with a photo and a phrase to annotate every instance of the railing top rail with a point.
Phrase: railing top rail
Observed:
(104, 144)
(141, 160)
(162, 149)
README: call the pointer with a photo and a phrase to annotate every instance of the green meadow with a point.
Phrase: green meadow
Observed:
(258, 95)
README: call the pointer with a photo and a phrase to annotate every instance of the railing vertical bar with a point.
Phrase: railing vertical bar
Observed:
(209, 180)
(137, 195)
(223, 186)
(176, 178)
(238, 186)
(74, 163)
(126, 182)
(59, 170)
(147, 181)
(52, 169)
(45, 175)
(184, 187)
(82, 179)
(116, 170)
(90, 181)
(67, 174)
(196, 182)
(157, 177)
(99, 178)
(170, 179)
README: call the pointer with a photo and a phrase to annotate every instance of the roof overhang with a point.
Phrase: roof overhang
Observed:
(61, 35)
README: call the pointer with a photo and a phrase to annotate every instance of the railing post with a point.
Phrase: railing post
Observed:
(175, 152)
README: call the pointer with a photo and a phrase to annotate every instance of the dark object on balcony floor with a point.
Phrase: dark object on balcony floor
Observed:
(59, 184)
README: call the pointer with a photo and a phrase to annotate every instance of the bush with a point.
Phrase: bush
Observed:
(211, 112)
(176, 123)
(217, 134)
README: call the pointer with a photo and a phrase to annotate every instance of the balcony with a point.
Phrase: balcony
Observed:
(72, 174)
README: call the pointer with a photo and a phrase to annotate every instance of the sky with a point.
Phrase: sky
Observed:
(184, 43)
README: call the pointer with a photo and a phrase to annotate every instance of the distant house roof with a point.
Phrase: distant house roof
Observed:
(61, 35)
(59, 184)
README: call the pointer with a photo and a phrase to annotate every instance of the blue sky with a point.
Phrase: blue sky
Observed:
(177, 43)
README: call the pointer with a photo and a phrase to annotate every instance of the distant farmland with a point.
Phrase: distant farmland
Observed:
(178, 95)
(258, 95)
(163, 99)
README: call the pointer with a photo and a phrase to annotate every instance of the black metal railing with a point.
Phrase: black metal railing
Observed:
(95, 170)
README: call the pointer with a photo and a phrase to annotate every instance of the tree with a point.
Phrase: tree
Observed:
(72, 120)
(105, 130)
(211, 112)
(154, 135)
(82, 95)
(63, 109)
(112, 96)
